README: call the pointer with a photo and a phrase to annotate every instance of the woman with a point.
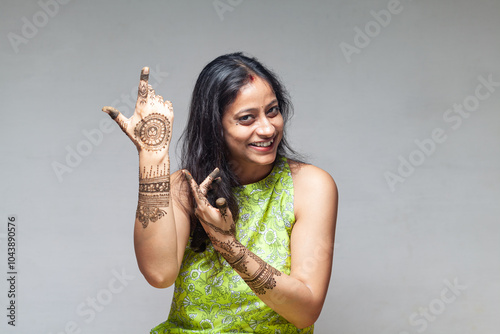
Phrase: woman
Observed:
(259, 258)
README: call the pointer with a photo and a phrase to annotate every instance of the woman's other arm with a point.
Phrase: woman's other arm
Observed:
(312, 240)
(298, 297)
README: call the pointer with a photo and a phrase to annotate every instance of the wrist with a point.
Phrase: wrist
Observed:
(238, 254)
(153, 166)
(229, 247)
(146, 157)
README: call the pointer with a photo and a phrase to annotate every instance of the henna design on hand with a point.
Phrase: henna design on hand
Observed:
(205, 185)
(202, 197)
(221, 204)
(114, 114)
(142, 93)
(238, 256)
(231, 231)
(152, 132)
(151, 95)
(197, 190)
(200, 191)
(213, 174)
(154, 194)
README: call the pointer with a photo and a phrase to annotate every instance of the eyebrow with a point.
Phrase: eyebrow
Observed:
(252, 109)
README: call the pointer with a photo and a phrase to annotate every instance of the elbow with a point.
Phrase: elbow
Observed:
(160, 280)
(306, 319)
(306, 322)
(160, 283)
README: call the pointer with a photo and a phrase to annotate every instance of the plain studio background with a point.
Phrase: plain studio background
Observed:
(399, 101)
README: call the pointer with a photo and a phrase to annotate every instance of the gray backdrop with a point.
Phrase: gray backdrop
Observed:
(398, 100)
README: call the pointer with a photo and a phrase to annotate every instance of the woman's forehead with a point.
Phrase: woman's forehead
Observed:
(254, 94)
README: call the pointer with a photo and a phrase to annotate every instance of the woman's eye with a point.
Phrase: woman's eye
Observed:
(245, 118)
(274, 111)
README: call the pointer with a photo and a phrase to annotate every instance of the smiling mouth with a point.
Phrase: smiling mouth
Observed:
(263, 144)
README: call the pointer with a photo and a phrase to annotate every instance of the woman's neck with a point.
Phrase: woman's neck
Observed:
(252, 174)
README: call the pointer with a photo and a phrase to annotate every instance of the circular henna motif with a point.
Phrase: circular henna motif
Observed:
(152, 132)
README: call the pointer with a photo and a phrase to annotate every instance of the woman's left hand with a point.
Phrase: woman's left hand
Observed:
(218, 223)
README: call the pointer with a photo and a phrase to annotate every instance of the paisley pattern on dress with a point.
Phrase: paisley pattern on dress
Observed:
(209, 296)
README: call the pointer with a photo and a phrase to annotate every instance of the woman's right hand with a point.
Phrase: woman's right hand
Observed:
(150, 127)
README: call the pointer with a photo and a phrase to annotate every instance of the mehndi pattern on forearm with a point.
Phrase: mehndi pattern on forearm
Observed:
(238, 257)
(263, 278)
(239, 261)
(152, 172)
(146, 214)
(154, 194)
(234, 253)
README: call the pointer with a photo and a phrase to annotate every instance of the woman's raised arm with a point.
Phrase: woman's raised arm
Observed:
(161, 228)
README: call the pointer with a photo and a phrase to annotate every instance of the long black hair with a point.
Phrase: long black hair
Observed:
(203, 145)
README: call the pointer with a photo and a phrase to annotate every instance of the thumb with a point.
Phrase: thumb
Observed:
(117, 116)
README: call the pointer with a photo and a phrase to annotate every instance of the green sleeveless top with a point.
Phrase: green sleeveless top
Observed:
(209, 296)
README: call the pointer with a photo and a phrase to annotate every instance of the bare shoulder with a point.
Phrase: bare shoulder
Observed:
(309, 177)
(313, 188)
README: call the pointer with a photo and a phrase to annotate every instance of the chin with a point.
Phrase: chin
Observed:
(265, 161)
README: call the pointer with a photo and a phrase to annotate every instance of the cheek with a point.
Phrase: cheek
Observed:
(227, 133)
(279, 124)
(232, 138)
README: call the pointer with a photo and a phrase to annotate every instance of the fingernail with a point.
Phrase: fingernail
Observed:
(188, 175)
(221, 202)
(145, 73)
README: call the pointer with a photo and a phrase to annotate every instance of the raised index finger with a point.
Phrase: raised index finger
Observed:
(142, 93)
(198, 196)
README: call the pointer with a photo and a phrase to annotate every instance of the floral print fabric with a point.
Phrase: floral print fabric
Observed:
(209, 296)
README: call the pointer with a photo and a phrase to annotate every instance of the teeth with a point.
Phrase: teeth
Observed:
(266, 144)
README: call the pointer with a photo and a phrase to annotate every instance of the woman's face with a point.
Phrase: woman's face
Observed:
(253, 128)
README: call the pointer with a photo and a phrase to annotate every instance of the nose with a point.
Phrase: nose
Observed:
(266, 128)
